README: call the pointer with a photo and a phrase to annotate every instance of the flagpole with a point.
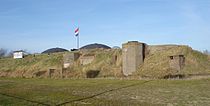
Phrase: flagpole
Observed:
(77, 35)
(78, 42)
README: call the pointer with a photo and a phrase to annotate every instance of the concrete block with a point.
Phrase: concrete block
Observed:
(70, 58)
(133, 56)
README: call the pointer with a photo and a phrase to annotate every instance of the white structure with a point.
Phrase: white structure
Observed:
(18, 54)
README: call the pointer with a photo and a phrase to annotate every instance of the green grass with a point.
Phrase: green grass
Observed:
(20, 92)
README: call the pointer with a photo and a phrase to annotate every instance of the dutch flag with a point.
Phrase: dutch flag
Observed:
(76, 32)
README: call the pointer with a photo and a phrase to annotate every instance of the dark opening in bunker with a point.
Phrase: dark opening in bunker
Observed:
(92, 73)
(171, 57)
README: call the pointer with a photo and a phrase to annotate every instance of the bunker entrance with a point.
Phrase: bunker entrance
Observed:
(92, 73)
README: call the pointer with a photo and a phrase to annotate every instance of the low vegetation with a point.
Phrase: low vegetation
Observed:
(108, 63)
(156, 64)
(30, 64)
(95, 92)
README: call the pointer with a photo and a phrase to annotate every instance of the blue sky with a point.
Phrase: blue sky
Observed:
(36, 25)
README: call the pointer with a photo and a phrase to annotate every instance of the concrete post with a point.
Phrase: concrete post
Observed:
(132, 56)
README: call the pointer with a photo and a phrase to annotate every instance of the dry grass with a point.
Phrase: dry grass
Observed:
(94, 92)
(103, 62)
(156, 65)
(30, 64)
(109, 63)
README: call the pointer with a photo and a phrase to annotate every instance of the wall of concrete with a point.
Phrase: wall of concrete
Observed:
(133, 56)
(69, 59)
(87, 59)
(152, 49)
(177, 62)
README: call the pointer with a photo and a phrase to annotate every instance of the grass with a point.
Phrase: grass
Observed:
(31, 63)
(156, 65)
(104, 62)
(109, 63)
(90, 92)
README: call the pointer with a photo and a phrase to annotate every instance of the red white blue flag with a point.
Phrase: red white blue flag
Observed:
(76, 32)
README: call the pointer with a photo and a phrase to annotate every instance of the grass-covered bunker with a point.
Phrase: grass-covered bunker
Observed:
(135, 59)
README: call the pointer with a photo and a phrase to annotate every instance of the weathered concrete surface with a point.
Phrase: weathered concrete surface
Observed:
(69, 59)
(176, 62)
(152, 49)
(133, 54)
(87, 59)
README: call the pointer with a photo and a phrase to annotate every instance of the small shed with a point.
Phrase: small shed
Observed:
(176, 62)
(18, 54)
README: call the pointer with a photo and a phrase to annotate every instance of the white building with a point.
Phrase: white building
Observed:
(18, 54)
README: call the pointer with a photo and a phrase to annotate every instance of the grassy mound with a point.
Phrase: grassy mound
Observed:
(107, 62)
(156, 64)
(30, 64)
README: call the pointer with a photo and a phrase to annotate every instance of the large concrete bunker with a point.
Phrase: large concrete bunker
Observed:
(133, 55)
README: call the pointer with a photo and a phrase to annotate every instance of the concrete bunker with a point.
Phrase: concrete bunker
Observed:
(176, 62)
(70, 58)
(87, 59)
(133, 54)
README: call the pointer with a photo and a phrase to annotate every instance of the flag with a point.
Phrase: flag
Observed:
(76, 32)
